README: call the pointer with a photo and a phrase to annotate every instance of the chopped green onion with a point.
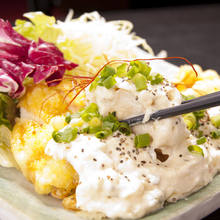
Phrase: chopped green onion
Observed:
(107, 71)
(156, 79)
(140, 81)
(93, 130)
(68, 118)
(142, 140)
(189, 97)
(87, 116)
(201, 140)
(111, 122)
(215, 120)
(199, 114)
(124, 128)
(88, 113)
(94, 84)
(95, 122)
(92, 108)
(215, 134)
(103, 134)
(109, 82)
(84, 130)
(106, 78)
(122, 70)
(65, 136)
(95, 125)
(195, 149)
(141, 67)
(190, 121)
(132, 71)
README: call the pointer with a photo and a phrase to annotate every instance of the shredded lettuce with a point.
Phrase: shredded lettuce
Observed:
(77, 38)
(43, 27)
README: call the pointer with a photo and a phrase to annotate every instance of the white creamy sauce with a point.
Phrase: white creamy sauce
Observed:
(124, 182)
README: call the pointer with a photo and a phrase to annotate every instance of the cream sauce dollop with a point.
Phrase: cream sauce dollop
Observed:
(121, 181)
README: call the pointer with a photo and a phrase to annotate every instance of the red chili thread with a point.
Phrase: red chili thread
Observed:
(44, 102)
(114, 61)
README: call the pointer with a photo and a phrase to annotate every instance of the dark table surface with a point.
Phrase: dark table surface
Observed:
(189, 31)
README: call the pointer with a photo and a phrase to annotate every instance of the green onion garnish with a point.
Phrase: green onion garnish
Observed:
(109, 82)
(95, 125)
(107, 71)
(103, 134)
(190, 121)
(68, 118)
(140, 67)
(140, 82)
(215, 120)
(95, 122)
(124, 128)
(65, 136)
(88, 113)
(122, 70)
(201, 140)
(111, 122)
(215, 134)
(142, 140)
(195, 149)
(199, 114)
(156, 79)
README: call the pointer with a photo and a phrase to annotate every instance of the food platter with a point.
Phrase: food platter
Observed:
(20, 202)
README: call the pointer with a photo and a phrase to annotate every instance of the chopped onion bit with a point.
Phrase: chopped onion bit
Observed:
(142, 140)
(196, 149)
(201, 140)
(65, 136)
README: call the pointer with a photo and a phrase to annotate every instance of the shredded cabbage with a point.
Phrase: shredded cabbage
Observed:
(89, 40)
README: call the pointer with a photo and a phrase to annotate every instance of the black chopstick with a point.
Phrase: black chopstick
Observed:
(201, 97)
(192, 105)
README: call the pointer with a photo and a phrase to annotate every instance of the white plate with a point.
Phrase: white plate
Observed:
(19, 201)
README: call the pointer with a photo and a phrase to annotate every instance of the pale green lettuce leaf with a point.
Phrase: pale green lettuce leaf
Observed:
(41, 26)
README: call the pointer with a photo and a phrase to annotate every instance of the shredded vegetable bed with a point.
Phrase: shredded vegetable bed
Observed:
(66, 85)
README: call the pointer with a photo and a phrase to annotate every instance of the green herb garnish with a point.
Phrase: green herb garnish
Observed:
(124, 128)
(103, 134)
(122, 70)
(195, 149)
(201, 140)
(215, 120)
(65, 136)
(215, 134)
(190, 121)
(142, 140)
(106, 78)
(68, 118)
(89, 112)
(140, 82)
(156, 79)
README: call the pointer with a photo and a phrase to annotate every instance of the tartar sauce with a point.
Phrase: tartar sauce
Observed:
(121, 181)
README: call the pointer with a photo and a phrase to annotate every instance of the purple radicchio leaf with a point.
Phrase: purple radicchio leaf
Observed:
(20, 57)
